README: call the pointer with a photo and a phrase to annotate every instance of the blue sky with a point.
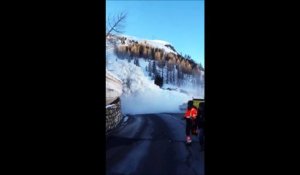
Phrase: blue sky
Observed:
(179, 22)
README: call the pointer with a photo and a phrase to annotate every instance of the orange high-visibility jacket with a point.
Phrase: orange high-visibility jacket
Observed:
(191, 113)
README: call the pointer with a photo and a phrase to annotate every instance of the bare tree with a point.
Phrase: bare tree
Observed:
(116, 24)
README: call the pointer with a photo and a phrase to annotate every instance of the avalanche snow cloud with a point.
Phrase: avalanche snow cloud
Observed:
(140, 94)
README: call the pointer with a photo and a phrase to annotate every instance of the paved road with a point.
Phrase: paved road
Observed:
(152, 144)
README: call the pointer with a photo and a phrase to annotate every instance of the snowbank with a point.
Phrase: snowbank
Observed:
(113, 87)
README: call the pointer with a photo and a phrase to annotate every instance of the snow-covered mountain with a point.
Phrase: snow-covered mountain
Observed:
(131, 60)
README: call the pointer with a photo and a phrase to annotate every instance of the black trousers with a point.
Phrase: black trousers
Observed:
(195, 126)
(189, 126)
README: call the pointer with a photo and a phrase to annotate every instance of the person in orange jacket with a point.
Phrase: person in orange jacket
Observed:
(190, 116)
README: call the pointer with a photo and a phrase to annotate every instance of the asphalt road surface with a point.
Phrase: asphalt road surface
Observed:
(152, 144)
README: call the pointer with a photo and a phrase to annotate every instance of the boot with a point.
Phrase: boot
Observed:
(194, 132)
(188, 139)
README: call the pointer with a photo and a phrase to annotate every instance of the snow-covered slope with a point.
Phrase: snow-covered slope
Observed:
(153, 43)
(140, 94)
(113, 87)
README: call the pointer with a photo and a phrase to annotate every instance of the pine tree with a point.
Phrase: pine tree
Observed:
(154, 71)
(138, 62)
(167, 79)
(178, 76)
(159, 81)
(141, 51)
(149, 68)
(174, 78)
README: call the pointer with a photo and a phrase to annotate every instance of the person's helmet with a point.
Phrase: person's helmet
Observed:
(190, 104)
